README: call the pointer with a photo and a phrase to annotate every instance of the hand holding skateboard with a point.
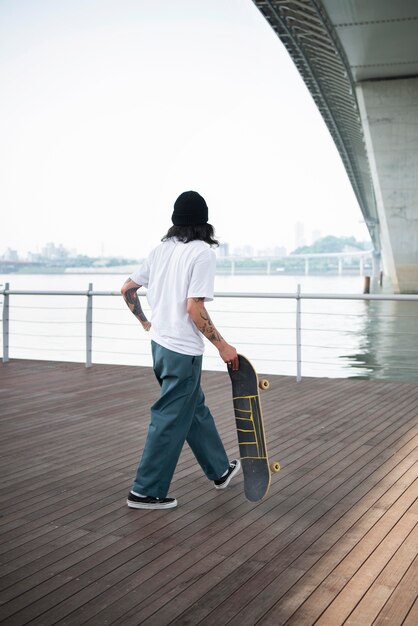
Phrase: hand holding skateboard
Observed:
(229, 355)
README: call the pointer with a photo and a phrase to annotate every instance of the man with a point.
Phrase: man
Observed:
(179, 276)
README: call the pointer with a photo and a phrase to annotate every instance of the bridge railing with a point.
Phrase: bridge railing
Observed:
(282, 339)
(307, 263)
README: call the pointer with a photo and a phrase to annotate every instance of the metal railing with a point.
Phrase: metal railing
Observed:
(297, 297)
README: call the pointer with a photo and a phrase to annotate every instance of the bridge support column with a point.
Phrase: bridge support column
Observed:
(388, 111)
(376, 264)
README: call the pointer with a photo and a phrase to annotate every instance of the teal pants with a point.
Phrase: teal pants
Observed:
(179, 415)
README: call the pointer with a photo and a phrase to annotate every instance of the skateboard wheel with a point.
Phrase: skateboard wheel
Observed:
(264, 384)
(275, 467)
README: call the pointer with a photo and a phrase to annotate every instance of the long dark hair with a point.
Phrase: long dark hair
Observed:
(203, 232)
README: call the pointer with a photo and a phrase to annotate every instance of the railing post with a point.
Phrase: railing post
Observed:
(6, 323)
(89, 326)
(298, 337)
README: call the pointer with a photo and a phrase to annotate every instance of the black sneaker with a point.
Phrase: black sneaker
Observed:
(223, 482)
(147, 502)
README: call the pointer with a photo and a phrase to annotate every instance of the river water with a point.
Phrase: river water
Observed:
(340, 338)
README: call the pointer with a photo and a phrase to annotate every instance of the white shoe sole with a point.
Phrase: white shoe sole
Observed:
(149, 506)
(230, 477)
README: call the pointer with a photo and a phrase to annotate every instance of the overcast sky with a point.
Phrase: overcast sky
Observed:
(109, 109)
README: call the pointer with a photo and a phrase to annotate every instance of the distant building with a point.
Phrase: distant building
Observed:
(223, 250)
(280, 251)
(244, 251)
(272, 252)
(299, 235)
(53, 253)
(34, 257)
(10, 255)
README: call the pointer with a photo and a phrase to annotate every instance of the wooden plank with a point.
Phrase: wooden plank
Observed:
(270, 574)
(216, 575)
(412, 618)
(283, 571)
(384, 585)
(355, 584)
(75, 553)
(401, 600)
(307, 572)
(15, 582)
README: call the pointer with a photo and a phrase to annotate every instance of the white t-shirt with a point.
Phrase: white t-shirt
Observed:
(173, 272)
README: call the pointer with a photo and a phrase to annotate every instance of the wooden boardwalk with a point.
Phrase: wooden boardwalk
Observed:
(335, 542)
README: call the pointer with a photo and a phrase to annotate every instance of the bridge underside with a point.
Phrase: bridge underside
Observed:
(360, 62)
(389, 110)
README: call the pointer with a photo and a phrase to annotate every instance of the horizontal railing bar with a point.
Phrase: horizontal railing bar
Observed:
(322, 296)
(31, 321)
(48, 336)
(48, 349)
(41, 292)
(231, 294)
(54, 308)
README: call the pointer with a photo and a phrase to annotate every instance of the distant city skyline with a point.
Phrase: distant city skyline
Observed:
(300, 239)
(56, 251)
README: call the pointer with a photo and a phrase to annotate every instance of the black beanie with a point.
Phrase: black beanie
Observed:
(190, 209)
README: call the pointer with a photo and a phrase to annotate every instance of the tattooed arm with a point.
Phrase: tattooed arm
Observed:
(128, 291)
(198, 313)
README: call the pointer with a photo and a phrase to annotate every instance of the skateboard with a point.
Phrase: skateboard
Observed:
(250, 430)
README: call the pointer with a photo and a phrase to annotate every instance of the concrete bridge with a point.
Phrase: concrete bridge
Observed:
(359, 60)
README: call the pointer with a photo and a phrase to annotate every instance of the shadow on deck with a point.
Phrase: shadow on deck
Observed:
(333, 543)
